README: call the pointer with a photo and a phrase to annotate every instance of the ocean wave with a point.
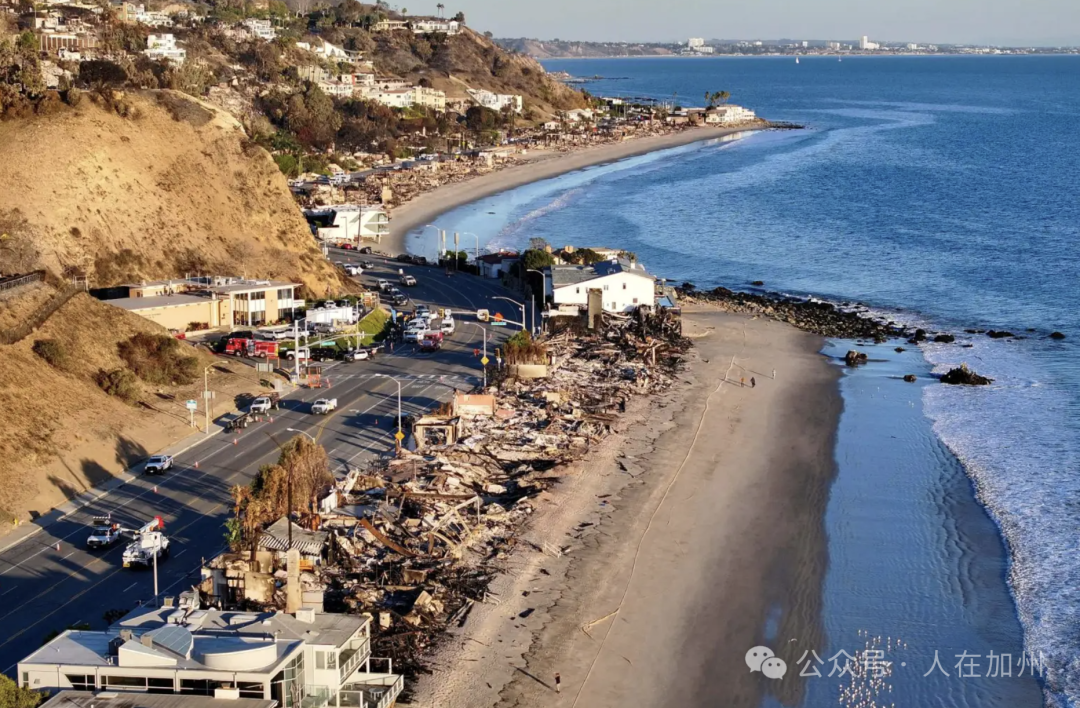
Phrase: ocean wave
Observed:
(512, 234)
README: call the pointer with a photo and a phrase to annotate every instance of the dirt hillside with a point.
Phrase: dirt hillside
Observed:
(173, 188)
(62, 433)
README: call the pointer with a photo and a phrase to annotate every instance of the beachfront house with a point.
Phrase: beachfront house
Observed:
(624, 285)
(307, 658)
(349, 223)
(496, 265)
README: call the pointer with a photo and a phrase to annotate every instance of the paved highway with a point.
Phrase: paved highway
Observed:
(51, 581)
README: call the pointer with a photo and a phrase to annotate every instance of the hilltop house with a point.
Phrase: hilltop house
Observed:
(623, 284)
(163, 46)
(728, 115)
(496, 101)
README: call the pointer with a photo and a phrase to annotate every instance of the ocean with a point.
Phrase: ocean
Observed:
(937, 191)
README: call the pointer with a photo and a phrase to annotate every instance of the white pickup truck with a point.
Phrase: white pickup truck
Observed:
(324, 406)
(104, 533)
(260, 405)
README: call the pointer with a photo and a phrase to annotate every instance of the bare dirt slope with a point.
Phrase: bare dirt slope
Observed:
(63, 434)
(177, 188)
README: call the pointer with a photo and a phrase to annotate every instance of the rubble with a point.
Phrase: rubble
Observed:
(415, 538)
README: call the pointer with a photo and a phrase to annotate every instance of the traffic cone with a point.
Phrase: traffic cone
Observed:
(234, 441)
(196, 464)
(57, 545)
(271, 419)
(155, 489)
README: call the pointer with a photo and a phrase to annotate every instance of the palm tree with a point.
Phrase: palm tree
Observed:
(440, 7)
(723, 96)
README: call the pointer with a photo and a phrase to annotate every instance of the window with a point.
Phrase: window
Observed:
(605, 286)
(261, 295)
(124, 682)
(284, 294)
(635, 301)
(200, 687)
(577, 291)
(331, 660)
(160, 685)
(320, 660)
(250, 690)
(78, 681)
(624, 286)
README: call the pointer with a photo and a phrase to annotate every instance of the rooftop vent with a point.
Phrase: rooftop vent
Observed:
(305, 614)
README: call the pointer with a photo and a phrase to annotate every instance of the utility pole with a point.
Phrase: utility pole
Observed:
(157, 550)
(206, 399)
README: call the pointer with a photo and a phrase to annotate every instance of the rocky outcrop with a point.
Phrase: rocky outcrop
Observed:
(995, 334)
(944, 339)
(919, 336)
(818, 317)
(910, 378)
(964, 376)
(898, 350)
(854, 358)
(1057, 335)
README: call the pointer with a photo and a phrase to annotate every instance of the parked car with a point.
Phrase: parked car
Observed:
(367, 264)
(158, 464)
(408, 281)
(383, 285)
(357, 355)
(353, 269)
(399, 299)
(347, 247)
(365, 250)
(301, 353)
(322, 328)
(404, 258)
(448, 326)
(416, 335)
(420, 260)
(430, 345)
(421, 309)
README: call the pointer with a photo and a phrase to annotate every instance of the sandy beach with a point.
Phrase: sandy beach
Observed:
(542, 164)
(657, 562)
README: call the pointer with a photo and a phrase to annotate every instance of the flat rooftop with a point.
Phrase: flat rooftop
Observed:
(327, 628)
(114, 699)
(147, 303)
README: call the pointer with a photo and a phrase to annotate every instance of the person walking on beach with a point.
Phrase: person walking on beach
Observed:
(753, 383)
(558, 683)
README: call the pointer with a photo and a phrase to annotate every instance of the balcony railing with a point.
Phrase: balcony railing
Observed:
(349, 659)
(375, 691)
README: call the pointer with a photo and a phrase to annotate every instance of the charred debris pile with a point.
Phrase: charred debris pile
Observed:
(415, 538)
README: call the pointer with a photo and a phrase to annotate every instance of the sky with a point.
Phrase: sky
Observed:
(1004, 22)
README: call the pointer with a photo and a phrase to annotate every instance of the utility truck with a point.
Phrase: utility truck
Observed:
(324, 406)
(149, 542)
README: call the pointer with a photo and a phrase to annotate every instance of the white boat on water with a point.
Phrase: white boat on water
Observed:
(796, 60)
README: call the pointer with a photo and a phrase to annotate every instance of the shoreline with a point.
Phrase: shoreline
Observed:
(690, 500)
(540, 166)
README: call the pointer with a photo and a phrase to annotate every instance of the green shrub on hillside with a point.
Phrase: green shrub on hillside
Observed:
(53, 352)
(13, 696)
(159, 359)
(120, 383)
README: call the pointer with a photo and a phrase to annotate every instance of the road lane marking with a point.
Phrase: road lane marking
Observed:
(131, 586)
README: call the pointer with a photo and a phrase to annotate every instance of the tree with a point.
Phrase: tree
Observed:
(440, 8)
(12, 696)
(310, 115)
(460, 17)
(534, 259)
(479, 119)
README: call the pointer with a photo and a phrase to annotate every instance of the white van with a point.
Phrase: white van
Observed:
(448, 326)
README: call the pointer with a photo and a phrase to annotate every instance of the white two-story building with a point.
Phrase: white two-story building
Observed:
(623, 285)
(306, 660)
(349, 223)
(163, 46)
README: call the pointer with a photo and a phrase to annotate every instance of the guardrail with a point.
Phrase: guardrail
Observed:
(17, 281)
(43, 313)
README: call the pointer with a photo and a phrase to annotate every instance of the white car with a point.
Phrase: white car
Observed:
(260, 405)
(384, 285)
(357, 355)
(448, 326)
(301, 353)
(324, 406)
(352, 269)
(158, 464)
(408, 280)
(416, 335)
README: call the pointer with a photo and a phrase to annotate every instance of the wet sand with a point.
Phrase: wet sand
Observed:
(693, 534)
(542, 164)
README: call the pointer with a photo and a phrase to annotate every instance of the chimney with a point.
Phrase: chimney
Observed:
(292, 586)
(147, 640)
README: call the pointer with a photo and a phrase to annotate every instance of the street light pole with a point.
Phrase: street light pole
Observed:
(438, 237)
(398, 438)
(476, 255)
(482, 364)
(543, 288)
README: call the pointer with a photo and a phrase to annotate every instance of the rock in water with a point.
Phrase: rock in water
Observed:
(899, 349)
(758, 283)
(919, 336)
(945, 339)
(962, 375)
(1057, 335)
(994, 334)
(910, 378)
(854, 358)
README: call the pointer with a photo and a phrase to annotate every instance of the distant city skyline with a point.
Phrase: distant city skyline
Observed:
(996, 22)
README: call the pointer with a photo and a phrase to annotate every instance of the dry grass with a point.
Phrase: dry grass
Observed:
(131, 199)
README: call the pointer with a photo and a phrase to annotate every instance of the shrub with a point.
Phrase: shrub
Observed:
(198, 326)
(120, 383)
(52, 351)
(14, 696)
(159, 359)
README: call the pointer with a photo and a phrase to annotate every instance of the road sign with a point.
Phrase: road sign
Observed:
(485, 361)
(399, 435)
(208, 395)
(264, 367)
(498, 324)
(192, 405)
